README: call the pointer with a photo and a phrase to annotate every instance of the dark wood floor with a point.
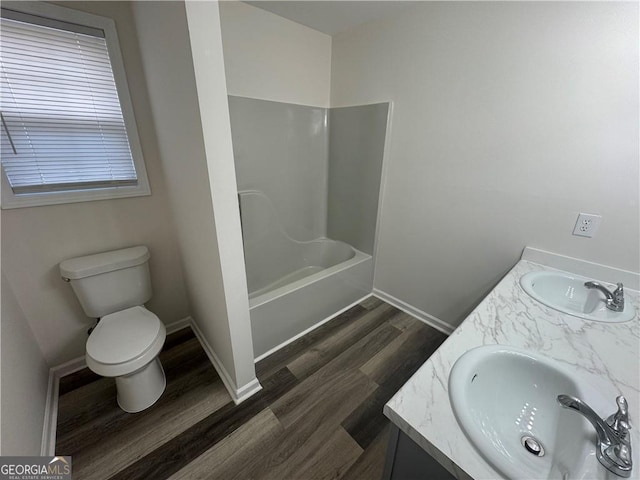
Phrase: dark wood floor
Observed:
(318, 416)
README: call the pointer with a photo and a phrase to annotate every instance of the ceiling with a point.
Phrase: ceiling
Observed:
(332, 17)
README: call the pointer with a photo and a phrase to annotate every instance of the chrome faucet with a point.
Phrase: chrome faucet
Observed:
(613, 438)
(615, 299)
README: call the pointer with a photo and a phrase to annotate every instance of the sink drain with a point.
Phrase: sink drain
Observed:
(532, 445)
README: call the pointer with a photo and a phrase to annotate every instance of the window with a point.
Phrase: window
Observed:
(67, 127)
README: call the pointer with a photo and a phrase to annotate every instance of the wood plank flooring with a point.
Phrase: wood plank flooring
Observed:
(318, 416)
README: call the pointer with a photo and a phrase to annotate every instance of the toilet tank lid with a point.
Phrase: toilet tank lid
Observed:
(89, 265)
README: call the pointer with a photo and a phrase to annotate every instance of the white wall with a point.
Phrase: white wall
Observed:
(271, 58)
(509, 118)
(206, 44)
(36, 239)
(194, 137)
(24, 374)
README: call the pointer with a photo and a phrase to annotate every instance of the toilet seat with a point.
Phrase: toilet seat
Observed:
(124, 341)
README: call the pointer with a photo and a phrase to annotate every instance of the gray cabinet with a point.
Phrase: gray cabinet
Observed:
(407, 461)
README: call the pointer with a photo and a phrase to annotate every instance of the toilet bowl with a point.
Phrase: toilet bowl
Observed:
(126, 345)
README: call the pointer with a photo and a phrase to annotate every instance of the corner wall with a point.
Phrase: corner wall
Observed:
(509, 119)
(272, 58)
(356, 150)
(25, 378)
(192, 122)
(36, 239)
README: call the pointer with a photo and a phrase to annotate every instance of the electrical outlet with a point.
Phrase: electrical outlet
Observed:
(587, 224)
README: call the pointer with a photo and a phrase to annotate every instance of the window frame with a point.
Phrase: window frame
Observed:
(11, 200)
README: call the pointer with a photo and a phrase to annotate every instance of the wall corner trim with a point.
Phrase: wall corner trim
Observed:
(424, 317)
(48, 444)
(238, 394)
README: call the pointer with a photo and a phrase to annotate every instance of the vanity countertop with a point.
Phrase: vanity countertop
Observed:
(605, 354)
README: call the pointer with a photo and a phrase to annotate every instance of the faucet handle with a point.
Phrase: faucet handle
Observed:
(619, 421)
(619, 292)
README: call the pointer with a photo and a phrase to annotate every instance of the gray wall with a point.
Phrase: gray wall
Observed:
(509, 118)
(24, 381)
(356, 148)
(281, 149)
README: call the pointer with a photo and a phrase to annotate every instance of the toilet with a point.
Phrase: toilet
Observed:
(125, 344)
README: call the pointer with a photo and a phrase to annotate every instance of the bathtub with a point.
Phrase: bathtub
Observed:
(294, 286)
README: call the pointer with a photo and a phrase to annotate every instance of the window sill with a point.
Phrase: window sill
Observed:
(10, 200)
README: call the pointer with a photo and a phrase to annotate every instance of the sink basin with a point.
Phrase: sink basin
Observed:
(504, 399)
(567, 293)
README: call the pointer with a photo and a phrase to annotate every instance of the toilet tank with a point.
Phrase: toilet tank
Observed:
(111, 281)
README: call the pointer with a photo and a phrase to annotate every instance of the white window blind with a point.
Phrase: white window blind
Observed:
(62, 124)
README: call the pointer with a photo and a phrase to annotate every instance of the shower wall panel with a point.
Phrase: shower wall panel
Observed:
(356, 147)
(281, 149)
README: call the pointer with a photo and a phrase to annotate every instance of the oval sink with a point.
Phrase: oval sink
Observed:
(504, 399)
(567, 294)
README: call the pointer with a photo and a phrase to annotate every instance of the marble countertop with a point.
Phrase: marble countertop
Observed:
(605, 354)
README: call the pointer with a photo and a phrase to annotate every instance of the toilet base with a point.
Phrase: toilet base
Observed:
(141, 389)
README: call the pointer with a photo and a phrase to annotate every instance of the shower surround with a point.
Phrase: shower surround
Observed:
(309, 184)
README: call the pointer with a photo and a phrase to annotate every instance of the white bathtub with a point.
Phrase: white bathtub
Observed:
(303, 259)
(295, 285)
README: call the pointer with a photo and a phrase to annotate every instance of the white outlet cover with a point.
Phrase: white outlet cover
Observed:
(587, 224)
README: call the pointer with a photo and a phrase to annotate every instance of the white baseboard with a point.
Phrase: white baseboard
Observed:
(238, 394)
(67, 368)
(310, 329)
(51, 407)
(48, 445)
(178, 325)
(424, 317)
(247, 391)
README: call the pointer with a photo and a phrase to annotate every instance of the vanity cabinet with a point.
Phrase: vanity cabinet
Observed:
(407, 461)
